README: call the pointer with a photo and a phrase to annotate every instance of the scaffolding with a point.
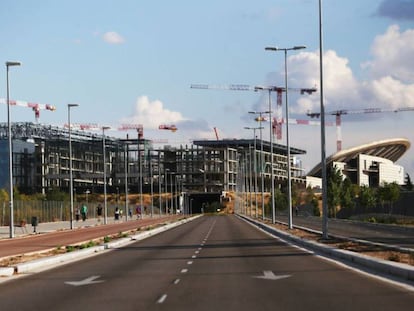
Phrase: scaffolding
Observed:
(41, 162)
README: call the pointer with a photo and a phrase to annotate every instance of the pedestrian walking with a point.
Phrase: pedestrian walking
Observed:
(117, 213)
(84, 211)
(138, 211)
(77, 214)
(99, 211)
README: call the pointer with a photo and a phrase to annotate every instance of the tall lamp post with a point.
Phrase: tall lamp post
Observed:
(323, 147)
(10, 64)
(104, 173)
(166, 190)
(70, 165)
(254, 162)
(270, 89)
(260, 119)
(126, 181)
(299, 47)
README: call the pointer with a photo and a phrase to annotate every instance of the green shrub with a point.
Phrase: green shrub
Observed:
(70, 248)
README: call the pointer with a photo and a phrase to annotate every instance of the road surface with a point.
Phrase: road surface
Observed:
(211, 263)
(400, 236)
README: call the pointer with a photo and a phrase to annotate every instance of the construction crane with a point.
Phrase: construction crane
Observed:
(34, 106)
(277, 122)
(294, 121)
(171, 127)
(216, 133)
(339, 113)
(83, 126)
(138, 127)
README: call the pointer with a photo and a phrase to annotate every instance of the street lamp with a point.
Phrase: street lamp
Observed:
(104, 173)
(86, 193)
(10, 64)
(270, 89)
(323, 147)
(166, 190)
(172, 192)
(299, 47)
(140, 173)
(159, 184)
(126, 181)
(70, 165)
(255, 164)
(152, 182)
(260, 119)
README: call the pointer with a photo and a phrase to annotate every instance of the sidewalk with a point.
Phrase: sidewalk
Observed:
(46, 227)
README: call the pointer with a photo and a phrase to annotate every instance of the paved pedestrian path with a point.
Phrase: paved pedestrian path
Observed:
(46, 227)
(51, 235)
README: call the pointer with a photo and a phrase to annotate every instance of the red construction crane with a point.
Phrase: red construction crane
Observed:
(83, 126)
(138, 127)
(35, 106)
(170, 127)
(339, 113)
(216, 132)
(277, 122)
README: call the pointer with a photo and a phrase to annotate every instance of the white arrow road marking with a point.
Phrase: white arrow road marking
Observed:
(88, 281)
(269, 275)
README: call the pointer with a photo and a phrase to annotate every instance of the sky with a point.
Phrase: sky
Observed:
(132, 62)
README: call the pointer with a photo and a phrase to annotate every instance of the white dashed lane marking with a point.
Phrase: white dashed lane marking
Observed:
(162, 298)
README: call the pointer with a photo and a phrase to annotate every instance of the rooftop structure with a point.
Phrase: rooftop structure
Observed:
(369, 164)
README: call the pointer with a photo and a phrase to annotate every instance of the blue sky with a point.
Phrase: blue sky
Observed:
(134, 61)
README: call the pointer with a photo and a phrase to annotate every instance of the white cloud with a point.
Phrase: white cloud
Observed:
(391, 70)
(113, 37)
(340, 86)
(152, 113)
(390, 85)
(392, 55)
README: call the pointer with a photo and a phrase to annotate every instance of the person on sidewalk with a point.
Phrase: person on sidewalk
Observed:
(77, 214)
(84, 211)
(138, 211)
(117, 213)
(99, 211)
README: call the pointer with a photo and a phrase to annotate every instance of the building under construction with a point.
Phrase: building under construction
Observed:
(42, 162)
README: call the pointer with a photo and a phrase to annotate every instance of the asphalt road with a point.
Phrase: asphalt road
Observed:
(211, 263)
(401, 236)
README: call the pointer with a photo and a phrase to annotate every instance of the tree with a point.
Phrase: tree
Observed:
(280, 199)
(408, 184)
(4, 195)
(390, 194)
(367, 197)
(334, 190)
(309, 195)
(348, 194)
(56, 194)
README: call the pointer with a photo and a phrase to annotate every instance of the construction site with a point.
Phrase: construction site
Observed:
(97, 163)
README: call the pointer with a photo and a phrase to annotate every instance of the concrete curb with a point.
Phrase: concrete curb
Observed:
(44, 263)
(6, 271)
(399, 270)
